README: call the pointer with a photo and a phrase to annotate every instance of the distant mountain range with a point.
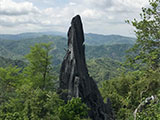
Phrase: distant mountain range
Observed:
(29, 35)
(97, 46)
(91, 39)
(103, 68)
(4, 62)
(98, 39)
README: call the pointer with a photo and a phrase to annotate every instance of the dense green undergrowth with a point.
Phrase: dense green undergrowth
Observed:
(29, 93)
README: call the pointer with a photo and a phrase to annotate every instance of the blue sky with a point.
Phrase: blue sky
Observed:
(98, 16)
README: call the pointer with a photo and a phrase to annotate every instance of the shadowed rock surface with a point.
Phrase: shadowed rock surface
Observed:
(74, 75)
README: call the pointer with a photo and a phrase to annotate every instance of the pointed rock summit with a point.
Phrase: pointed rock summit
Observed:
(74, 77)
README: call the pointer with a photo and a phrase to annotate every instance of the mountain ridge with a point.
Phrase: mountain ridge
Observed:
(91, 38)
(113, 48)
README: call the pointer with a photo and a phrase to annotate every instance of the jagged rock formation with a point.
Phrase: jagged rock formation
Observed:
(74, 75)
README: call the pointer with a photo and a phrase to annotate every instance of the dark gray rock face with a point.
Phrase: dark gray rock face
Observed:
(74, 75)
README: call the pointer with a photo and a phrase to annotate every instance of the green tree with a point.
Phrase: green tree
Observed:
(146, 51)
(42, 104)
(39, 70)
(73, 110)
(9, 80)
(31, 104)
(127, 92)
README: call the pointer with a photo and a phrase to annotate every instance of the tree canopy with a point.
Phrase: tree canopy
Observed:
(146, 50)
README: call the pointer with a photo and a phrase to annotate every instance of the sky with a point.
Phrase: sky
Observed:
(98, 16)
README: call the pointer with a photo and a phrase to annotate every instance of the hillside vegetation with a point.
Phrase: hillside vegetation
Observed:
(16, 49)
(30, 63)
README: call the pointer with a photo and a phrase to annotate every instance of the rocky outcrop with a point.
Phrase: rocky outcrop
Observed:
(74, 75)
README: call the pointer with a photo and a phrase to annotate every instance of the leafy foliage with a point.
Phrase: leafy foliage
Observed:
(31, 105)
(9, 81)
(28, 94)
(147, 47)
(128, 90)
(39, 67)
(73, 110)
(151, 112)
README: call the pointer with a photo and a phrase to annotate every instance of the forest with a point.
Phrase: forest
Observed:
(126, 70)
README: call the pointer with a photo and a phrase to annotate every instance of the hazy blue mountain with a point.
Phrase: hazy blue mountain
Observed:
(98, 39)
(7, 53)
(101, 46)
(91, 39)
(116, 51)
(103, 68)
(29, 35)
(4, 62)
(102, 52)
(22, 47)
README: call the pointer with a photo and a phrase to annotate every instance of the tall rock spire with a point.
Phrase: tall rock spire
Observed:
(74, 75)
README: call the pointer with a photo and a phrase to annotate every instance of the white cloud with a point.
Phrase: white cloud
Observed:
(91, 14)
(8, 7)
(99, 16)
